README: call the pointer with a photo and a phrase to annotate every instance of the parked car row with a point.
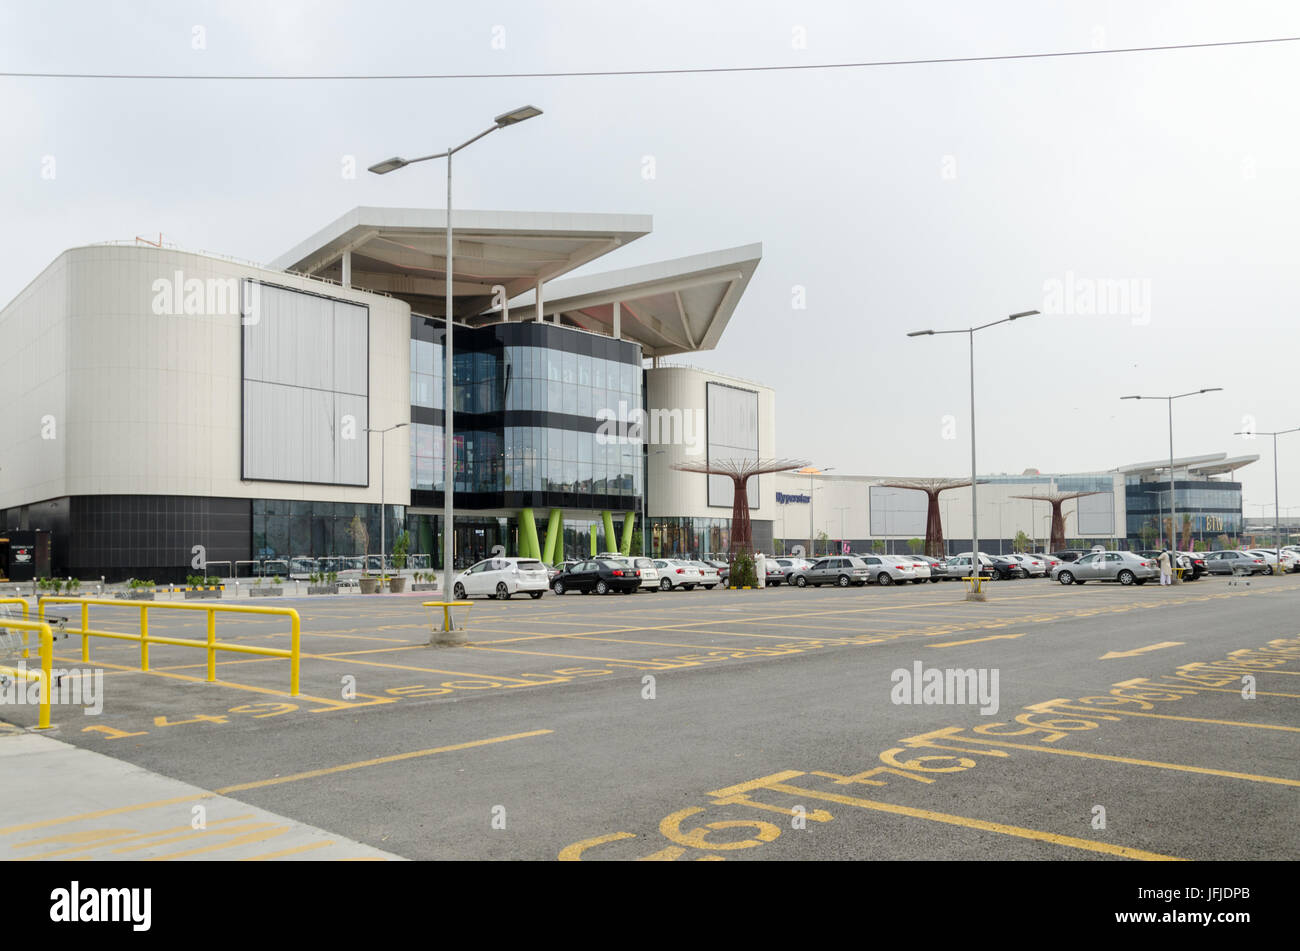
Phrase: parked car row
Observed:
(503, 578)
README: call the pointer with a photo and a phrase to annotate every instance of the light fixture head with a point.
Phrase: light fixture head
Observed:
(921, 333)
(1023, 313)
(388, 165)
(516, 115)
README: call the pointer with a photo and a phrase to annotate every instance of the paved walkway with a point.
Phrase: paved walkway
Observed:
(62, 802)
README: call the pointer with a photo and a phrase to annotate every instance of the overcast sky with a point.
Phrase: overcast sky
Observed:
(899, 198)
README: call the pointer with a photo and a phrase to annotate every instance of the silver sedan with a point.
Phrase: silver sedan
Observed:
(1122, 566)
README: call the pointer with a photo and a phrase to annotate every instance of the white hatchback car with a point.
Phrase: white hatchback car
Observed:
(501, 577)
(649, 573)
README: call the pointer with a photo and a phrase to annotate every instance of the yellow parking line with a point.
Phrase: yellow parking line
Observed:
(382, 760)
(1108, 711)
(983, 825)
(1155, 764)
(283, 853)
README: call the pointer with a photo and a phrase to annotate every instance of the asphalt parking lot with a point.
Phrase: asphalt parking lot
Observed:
(762, 724)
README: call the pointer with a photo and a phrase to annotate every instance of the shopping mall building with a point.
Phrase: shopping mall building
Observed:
(165, 408)
(1124, 507)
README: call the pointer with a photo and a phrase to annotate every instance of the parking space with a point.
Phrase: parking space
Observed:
(778, 679)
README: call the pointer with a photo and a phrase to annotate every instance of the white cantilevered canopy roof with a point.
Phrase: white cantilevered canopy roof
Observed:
(403, 252)
(1214, 463)
(669, 307)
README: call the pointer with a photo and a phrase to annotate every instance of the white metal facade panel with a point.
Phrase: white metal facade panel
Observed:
(732, 435)
(303, 354)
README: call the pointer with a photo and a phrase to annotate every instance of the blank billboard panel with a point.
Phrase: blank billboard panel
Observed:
(732, 428)
(306, 383)
(897, 512)
(1096, 518)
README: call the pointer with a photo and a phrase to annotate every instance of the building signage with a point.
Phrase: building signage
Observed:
(785, 498)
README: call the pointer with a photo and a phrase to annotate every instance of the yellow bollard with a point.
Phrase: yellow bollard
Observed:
(144, 639)
(295, 646)
(212, 646)
(47, 660)
(85, 638)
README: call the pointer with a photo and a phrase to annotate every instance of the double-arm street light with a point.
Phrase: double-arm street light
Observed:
(449, 456)
(1173, 504)
(974, 520)
(1277, 512)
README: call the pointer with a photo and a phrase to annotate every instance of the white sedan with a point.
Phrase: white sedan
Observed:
(677, 574)
(501, 577)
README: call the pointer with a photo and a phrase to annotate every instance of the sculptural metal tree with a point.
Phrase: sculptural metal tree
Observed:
(934, 547)
(740, 471)
(1056, 500)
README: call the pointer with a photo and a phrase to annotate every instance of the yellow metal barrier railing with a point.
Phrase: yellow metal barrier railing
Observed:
(211, 645)
(47, 659)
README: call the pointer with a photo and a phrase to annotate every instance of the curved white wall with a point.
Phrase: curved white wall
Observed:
(147, 403)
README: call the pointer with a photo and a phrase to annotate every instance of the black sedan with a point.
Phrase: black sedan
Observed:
(601, 575)
(1008, 568)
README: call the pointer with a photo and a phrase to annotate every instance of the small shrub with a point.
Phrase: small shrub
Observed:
(742, 571)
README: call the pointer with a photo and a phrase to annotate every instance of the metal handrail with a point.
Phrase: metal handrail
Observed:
(211, 645)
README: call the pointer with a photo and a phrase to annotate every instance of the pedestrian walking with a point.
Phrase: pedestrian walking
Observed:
(1165, 568)
(760, 569)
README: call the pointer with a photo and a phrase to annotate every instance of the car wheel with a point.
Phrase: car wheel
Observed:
(884, 578)
(708, 587)
(1269, 569)
(458, 591)
(602, 588)
(1126, 577)
(934, 580)
(665, 584)
(688, 587)
(503, 591)
(918, 581)
(844, 581)
(801, 582)
(1065, 577)
(558, 587)
(535, 594)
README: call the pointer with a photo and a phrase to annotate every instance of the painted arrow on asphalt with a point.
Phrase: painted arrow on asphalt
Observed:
(1140, 650)
(991, 637)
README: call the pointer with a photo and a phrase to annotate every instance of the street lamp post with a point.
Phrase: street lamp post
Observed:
(974, 509)
(1277, 512)
(812, 494)
(1173, 503)
(449, 458)
(383, 515)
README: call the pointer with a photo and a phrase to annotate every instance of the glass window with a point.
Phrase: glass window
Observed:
(584, 369)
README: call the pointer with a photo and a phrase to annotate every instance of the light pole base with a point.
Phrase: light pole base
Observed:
(451, 638)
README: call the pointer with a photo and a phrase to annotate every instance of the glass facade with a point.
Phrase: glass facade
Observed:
(292, 529)
(689, 537)
(1205, 511)
(529, 400)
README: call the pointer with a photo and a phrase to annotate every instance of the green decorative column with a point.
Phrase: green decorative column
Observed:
(629, 522)
(528, 547)
(608, 521)
(554, 537)
(593, 541)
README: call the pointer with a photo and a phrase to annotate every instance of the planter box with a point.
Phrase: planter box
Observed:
(369, 585)
(191, 594)
(269, 592)
(135, 596)
(322, 589)
(397, 585)
(424, 586)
